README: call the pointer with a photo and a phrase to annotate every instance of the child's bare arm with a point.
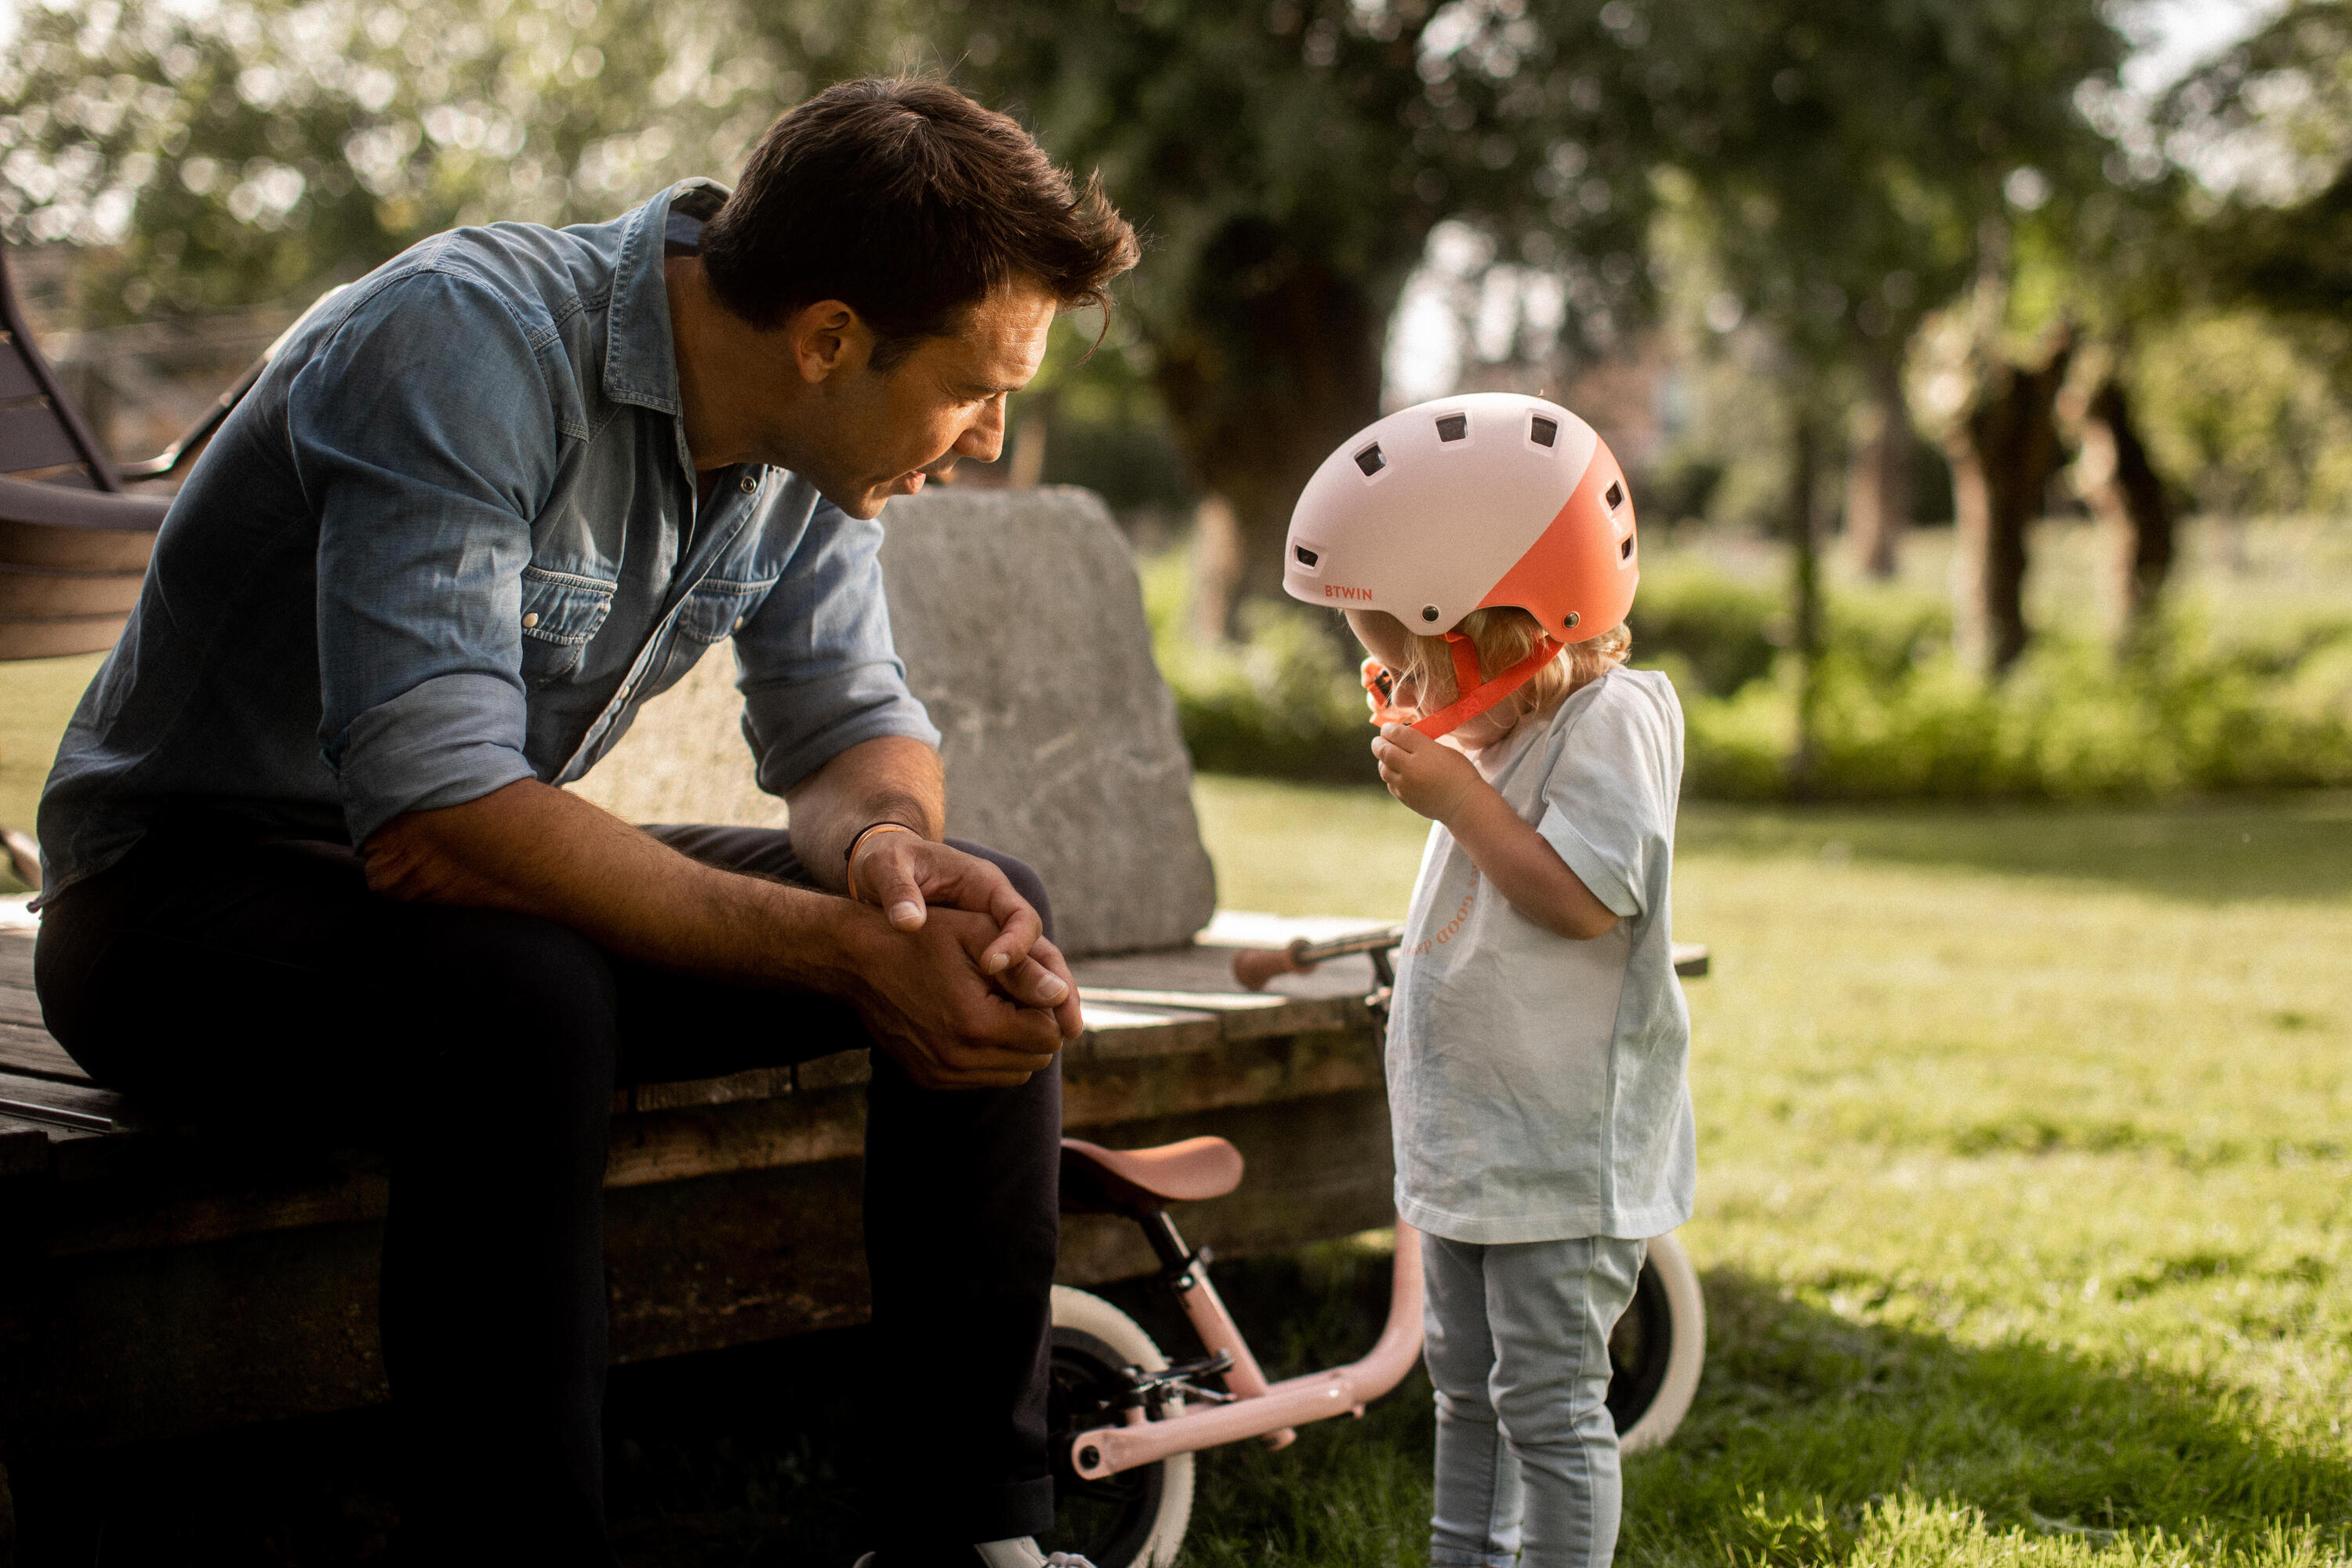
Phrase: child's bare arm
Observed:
(1439, 782)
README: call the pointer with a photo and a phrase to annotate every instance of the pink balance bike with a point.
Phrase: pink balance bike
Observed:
(1124, 1421)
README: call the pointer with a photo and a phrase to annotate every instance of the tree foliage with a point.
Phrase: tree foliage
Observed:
(241, 152)
(1843, 158)
(1287, 160)
(1821, 174)
(2270, 120)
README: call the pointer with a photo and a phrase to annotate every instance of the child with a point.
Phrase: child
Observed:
(1538, 1036)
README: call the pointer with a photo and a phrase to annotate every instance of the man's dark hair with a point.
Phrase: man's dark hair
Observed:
(911, 203)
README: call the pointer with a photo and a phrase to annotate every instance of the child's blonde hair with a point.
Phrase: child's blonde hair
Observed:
(1505, 635)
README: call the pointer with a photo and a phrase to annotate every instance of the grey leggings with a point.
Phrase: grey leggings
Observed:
(1518, 1348)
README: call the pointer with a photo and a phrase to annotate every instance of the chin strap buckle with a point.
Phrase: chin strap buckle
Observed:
(1477, 694)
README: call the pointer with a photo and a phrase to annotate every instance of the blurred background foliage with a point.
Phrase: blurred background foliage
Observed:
(1854, 287)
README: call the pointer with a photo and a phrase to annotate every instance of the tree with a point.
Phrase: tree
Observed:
(1288, 161)
(2004, 449)
(1860, 154)
(2124, 492)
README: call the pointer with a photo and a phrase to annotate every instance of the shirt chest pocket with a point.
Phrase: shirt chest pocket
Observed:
(718, 608)
(562, 614)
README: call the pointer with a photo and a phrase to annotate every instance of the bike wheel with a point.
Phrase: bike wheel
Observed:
(1133, 1519)
(1656, 1350)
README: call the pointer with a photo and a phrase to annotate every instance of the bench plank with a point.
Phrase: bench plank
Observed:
(760, 1083)
(214, 1197)
(19, 1004)
(1203, 968)
(72, 1103)
(29, 1051)
(24, 1148)
(1196, 1001)
(1149, 1052)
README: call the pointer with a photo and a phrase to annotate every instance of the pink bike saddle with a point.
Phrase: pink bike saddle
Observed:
(1189, 1171)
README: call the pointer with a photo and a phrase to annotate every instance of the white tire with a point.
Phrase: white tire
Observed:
(1668, 1312)
(1089, 1333)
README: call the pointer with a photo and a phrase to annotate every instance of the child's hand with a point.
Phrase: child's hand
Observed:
(1433, 778)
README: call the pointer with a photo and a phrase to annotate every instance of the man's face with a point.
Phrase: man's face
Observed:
(883, 433)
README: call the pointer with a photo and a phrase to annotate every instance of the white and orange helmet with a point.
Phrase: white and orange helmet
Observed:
(1467, 503)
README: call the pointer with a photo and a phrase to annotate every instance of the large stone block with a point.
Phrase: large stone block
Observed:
(1022, 624)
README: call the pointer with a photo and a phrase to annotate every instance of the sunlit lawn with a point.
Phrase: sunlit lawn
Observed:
(36, 697)
(2026, 1165)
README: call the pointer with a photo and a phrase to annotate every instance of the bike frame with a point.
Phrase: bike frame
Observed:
(1258, 1408)
(1265, 1410)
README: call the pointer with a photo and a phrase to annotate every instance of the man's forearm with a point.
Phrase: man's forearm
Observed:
(537, 850)
(891, 779)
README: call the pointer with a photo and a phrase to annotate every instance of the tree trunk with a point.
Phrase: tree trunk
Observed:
(1216, 568)
(1029, 441)
(1805, 593)
(1277, 362)
(1878, 477)
(2004, 451)
(2135, 524)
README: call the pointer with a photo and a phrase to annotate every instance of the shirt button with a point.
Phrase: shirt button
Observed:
(748, 485)
(531, 619)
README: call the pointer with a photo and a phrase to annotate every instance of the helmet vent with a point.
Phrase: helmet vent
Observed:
(1616, 496)
(1308, 557)
(1453, 426)
(1543, 432)
(1624, 551)
(1429, 612)
(1370, 461)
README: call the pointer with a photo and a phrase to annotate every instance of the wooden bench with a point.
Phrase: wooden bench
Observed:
(159, 1280)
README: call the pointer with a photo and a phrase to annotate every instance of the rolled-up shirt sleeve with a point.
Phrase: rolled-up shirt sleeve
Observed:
(425, 442)
(1609, 805)
(816, 666)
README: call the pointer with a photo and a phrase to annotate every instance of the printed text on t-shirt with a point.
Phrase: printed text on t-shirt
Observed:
(1452, 928)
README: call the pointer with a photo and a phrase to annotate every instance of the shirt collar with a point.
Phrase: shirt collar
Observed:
(640, 356)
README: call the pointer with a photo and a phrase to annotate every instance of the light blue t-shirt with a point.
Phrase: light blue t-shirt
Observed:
(1537, 1083)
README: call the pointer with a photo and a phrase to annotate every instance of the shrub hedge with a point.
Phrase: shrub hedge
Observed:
(1895, 717)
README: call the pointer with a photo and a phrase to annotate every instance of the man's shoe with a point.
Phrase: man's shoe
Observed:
(1019, 1552)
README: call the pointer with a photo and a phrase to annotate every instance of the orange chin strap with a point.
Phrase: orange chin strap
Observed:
(1477, 695)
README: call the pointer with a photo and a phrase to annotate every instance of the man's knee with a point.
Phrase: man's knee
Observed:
(494, 985)
(1021, 874)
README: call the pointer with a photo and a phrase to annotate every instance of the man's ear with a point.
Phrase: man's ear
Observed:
(827, 339)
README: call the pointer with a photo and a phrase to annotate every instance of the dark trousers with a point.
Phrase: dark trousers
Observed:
(481, 1049)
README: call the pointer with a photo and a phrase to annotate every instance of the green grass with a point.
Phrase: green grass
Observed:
(36, 697)
(2025, 1192)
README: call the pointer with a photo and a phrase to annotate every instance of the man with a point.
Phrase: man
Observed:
(485, 504)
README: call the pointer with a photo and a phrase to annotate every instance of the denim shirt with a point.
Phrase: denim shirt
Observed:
(451, 541)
